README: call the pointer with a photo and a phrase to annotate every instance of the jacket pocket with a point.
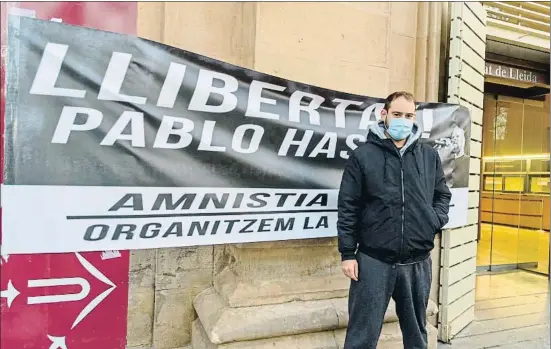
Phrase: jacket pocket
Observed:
(435, 220)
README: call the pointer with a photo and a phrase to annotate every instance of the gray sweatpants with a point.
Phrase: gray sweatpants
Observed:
(407, 284)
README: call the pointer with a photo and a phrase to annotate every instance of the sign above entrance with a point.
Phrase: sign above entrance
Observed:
(514, 73)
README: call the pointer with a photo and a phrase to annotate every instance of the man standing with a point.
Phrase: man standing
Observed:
(393, 200)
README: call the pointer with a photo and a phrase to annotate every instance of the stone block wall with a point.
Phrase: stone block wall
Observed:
(363, 48)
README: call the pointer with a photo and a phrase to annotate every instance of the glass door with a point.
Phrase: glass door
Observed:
(514, 203)
(534, 220)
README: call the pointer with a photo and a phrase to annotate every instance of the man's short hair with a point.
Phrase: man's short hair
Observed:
(392, 97)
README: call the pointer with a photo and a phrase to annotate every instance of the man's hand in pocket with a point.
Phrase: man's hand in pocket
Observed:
(350, 269)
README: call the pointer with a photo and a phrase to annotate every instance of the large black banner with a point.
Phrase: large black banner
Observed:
(117, 142)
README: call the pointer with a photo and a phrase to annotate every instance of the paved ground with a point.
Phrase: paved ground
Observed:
(511, 312)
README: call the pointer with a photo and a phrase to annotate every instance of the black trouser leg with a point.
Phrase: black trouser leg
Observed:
(411, 295)
(368, 301)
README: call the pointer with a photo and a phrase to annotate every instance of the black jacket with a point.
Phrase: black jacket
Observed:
(392, 202)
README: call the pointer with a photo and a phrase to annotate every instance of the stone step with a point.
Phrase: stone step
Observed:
(225, 324)
(391, 338)
(238, 293)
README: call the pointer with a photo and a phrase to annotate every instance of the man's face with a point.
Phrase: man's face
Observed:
(399, 108)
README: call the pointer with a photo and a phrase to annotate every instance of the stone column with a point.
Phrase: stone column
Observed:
(164, 282)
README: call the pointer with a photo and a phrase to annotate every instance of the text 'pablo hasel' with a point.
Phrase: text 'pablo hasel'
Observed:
(184, 129)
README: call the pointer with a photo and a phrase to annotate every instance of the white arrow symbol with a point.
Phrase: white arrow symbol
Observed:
(10, 293)
(94, 303)
(71, 297)
(57, 342)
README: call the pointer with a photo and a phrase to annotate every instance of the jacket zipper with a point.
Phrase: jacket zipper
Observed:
(403, 203)
(403, 206)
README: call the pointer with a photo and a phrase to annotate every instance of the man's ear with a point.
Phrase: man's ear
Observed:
(384, 113)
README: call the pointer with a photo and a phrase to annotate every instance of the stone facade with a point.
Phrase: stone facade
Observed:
(293, 290)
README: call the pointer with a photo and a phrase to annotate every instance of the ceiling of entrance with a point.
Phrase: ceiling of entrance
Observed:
(518, 52)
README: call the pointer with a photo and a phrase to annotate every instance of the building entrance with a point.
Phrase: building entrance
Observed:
(514, 202)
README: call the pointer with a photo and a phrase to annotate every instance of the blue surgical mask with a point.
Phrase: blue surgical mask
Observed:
(399, 128)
